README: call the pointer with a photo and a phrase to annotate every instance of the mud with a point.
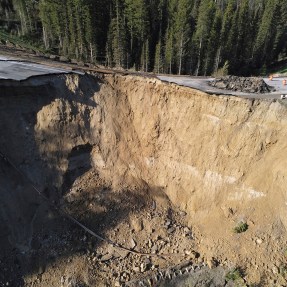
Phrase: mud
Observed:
(137, 159)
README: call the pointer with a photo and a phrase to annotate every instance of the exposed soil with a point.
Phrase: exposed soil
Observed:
(143, 221)
(62, 254)
(154, 167)
(242, 84)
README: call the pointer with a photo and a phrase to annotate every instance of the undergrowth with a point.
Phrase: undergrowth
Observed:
(236, 275)
(241, 227)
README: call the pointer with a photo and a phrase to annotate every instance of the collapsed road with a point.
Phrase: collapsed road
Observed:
(202, 84)
(153, 166)
(14, 69)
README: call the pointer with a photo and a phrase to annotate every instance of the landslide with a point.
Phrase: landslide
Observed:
(220, 159)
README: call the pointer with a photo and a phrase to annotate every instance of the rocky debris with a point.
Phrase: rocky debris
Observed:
(54, 57)
(146, 230)
(258, 241)
(211, 263)
(171, 230)
(182, 213)
(136, 224)
(162, 275)
(133, 244)
(106, 257)
(242, 84)
(64, 59)
(185, 274)
(144, 266)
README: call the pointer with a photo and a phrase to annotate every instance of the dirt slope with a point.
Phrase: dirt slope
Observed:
(219, 159)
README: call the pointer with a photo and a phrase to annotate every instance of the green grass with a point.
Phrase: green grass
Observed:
(241, 227)
(236, 275)
(24, 42)
(233, 275)
(281, 71)
(278, 68)
(283, 270)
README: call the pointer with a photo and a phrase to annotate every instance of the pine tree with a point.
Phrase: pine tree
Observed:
(231, 45)
(137, 23)
(49, 12)
(158, 62)
(211, 59)
(182, 30)
(26, 10)
(172, 36)
(280, 42)
(221, 54)
(204, 22)
(169, 50)
(266, 34)
(116, 43)
(145, 61)
(158, 23)
(243, 42)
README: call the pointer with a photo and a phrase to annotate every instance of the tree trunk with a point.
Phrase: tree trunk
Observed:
(180, 54)
(29, 28)
(118, 48)
(91, 53)
(217, 59)
(199, 56)
(45, 38)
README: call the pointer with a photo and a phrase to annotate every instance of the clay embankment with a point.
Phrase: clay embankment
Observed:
(221, 159)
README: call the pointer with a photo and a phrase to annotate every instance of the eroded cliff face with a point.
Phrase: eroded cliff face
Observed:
(221, 159)
(206, 151)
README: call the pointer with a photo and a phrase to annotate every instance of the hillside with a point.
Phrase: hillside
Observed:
(166, 36)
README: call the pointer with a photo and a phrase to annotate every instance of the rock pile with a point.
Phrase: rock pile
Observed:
(242, 84)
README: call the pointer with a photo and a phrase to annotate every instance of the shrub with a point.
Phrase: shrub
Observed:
(241, 227)
(233, 275)
(223, 71)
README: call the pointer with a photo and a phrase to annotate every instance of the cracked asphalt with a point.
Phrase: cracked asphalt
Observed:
(14, 69)
(201, 83)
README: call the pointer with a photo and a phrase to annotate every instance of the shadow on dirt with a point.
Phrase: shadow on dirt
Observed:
(22, 211)
(79, 163)
(34, 237)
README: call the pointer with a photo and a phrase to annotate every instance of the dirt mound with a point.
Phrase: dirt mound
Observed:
(242, 84)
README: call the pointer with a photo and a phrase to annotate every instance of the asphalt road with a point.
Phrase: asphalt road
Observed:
(201, 83)
(14, 69)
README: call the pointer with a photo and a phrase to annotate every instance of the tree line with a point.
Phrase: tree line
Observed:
(196, 37)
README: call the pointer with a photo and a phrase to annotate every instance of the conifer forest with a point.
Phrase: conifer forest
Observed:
(195, 37)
